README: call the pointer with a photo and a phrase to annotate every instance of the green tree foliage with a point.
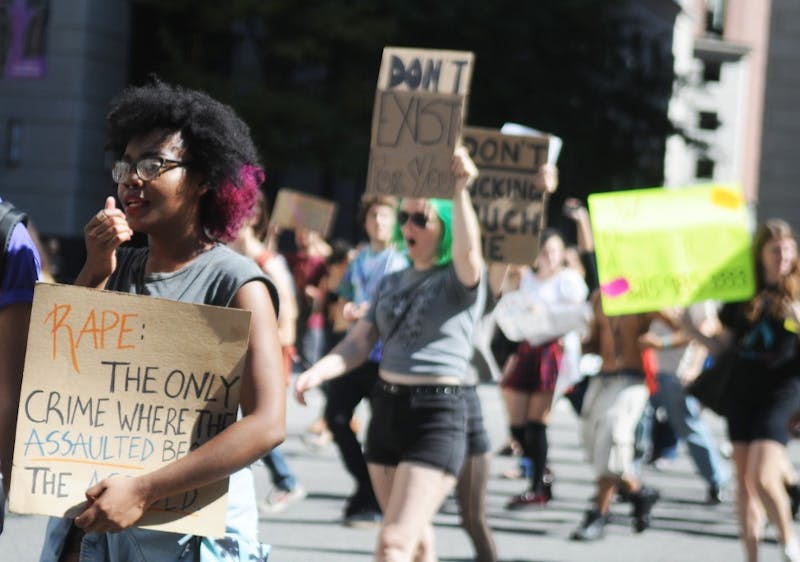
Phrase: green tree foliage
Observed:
(303, 74)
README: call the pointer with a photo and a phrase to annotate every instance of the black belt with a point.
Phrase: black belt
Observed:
(406, 389)
(630, 373)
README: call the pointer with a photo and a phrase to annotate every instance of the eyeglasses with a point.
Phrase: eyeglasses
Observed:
(417, 219)
(147, 169)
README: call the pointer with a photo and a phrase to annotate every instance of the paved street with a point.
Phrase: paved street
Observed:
(683, 530)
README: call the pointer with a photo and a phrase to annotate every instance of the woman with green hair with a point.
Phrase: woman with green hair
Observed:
(425, 316)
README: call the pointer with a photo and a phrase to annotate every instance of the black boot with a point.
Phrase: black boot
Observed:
(643, 501)
(592, 528)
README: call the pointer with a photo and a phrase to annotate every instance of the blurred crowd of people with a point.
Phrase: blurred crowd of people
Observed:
(411, 320)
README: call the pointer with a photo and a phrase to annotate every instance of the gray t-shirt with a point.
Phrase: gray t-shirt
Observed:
(425, 320)
(213, 277)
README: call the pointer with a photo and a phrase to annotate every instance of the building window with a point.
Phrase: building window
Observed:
(705, 168)
(715, 17)
(708, 120)
(711, 71)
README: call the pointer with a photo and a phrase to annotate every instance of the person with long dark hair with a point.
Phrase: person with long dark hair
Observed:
(764, 391)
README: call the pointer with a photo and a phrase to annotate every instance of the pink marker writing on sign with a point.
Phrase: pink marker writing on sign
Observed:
(616, 287)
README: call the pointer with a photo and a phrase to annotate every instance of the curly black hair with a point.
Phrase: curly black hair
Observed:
(218, 143)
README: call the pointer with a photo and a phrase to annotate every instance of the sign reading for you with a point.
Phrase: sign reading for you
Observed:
(509, 207)
(417, 120)
(118, 385)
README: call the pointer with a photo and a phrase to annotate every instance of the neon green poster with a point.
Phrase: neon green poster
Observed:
(659, 248)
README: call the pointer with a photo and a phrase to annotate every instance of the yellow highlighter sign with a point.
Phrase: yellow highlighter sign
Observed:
(659, 248)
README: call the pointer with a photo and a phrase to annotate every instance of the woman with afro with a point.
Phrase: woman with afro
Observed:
(187, 175)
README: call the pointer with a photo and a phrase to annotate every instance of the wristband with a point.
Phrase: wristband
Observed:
(666, 342)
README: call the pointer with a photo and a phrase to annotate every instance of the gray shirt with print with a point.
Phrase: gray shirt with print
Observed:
(425, 320)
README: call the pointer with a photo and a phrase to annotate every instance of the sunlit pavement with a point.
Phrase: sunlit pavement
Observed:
(684, 529)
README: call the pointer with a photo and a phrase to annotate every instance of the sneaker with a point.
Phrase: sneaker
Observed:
(716, 495)
(363, 518)
(547, 483)
(592, 528)
(278, 500)
(643, 502)
(791, 550)
(794, 498)
(527, 500)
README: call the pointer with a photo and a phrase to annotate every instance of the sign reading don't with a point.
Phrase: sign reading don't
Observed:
(660, 248)
(417, 120)
(120, 385)
(510, 208)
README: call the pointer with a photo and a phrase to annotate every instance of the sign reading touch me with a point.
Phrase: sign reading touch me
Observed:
(120, 385)
(510, 208)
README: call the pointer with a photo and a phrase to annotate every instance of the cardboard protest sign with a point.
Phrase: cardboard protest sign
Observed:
(658, 248)
(521, 318)
(119, 385)
(299, 210)
(417, 120)
(510, 208)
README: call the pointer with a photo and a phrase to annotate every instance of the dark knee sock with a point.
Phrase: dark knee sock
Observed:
(518, 433)
(535, 446)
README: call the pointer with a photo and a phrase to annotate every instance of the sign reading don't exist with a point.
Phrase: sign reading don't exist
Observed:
(120, 385)
(417, 120)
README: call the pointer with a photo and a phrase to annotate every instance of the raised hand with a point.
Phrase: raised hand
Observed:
(463, 168)
(107, 230)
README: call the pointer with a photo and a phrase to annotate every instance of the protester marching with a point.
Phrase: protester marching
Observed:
(169, 361)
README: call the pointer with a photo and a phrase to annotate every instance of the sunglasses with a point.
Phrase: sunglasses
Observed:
(417, 219)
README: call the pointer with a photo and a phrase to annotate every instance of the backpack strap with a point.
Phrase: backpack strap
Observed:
(9, 218)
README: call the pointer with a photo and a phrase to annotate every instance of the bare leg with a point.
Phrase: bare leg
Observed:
(426, 549)
(750, 518)
(605, 493)
(410, 495)
(766, 469)
(471, 494)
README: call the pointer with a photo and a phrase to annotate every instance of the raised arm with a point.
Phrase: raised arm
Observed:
(118, 503)
(467, 256)
(716, 342)
(575, 210)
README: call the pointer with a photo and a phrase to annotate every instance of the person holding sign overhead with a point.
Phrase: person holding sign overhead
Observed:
(425, 316)
(187, 174)
(760, 339)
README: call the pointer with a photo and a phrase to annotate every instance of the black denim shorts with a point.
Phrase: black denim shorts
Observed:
(477, 438)
(762, 410)
(419, 424)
